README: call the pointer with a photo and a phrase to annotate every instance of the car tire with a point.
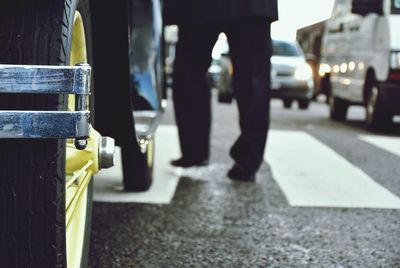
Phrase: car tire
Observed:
(225, 97)
(377, 119)
(303, 104)
(337, 108)
(115, 117)
(287, 103)
(143, 161)
(33, 171)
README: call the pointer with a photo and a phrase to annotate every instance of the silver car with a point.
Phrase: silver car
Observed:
(291, 76)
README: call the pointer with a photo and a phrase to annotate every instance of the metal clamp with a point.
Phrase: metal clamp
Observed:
(36, 79)
(45, 79)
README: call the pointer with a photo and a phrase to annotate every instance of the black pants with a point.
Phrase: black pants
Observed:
(250, 49)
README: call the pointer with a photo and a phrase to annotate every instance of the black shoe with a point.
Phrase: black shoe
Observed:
(182, 162)
(238, 173)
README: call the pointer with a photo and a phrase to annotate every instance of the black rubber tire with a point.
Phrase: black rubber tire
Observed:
(337, 108)
(303, 104)
(142, 173)
(225, 97)
(32, 172)
(379, 119)
(114, 115)
(287, 103)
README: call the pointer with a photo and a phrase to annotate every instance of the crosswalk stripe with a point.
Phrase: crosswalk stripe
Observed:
(390, 144)
(312, 175)
(108, 183)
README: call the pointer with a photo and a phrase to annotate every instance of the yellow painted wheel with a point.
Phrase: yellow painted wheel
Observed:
(81, 165)
(76, 191)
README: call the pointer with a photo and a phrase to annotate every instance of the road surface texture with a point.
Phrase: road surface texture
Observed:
(327, 195)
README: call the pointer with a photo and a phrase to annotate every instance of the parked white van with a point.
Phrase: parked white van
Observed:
(360, 59)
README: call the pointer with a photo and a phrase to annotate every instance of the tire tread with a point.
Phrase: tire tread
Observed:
(32, 182)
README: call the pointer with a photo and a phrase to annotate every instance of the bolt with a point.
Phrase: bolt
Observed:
(80, 144)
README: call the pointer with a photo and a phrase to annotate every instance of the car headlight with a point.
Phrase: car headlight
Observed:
(214, 69)
(395, 60)
(303, 72)
(324, 68)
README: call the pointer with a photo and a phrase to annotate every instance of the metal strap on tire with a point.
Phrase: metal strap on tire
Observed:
(35, 79)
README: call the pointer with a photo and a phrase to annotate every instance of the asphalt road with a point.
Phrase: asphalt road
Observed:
(327, 195)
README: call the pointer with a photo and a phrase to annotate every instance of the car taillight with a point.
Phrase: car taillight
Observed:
(394, 75)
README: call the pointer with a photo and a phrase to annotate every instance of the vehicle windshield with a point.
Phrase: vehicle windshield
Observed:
(396, 6)
(285, 49)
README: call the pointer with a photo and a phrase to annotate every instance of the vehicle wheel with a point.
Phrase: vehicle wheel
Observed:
(38, 215)
(144, 163)
(315, 94)
(337, 108)
(287, 103)
(225, 97)
(376, 117)
(119, 107)
(303, 104)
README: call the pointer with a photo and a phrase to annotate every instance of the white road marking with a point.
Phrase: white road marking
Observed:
(312, 175)
(108, 183)
(390, 144)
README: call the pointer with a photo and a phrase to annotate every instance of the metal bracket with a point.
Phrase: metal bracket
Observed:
(40, 124)
(45, 79)
(37, 79)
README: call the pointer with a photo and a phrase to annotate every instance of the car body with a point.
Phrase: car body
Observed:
(219, 73)
(360, 60)
(170, 40)
(291, 76)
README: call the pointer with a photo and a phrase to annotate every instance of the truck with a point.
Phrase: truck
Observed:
(77, 77)
(360, 60)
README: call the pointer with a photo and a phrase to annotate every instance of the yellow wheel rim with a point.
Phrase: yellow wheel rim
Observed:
(78, 165)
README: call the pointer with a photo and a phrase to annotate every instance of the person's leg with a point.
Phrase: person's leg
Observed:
(191, 93)
(250, 48)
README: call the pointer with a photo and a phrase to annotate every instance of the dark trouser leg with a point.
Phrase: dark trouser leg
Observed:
(250, 47)
(191, 93)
